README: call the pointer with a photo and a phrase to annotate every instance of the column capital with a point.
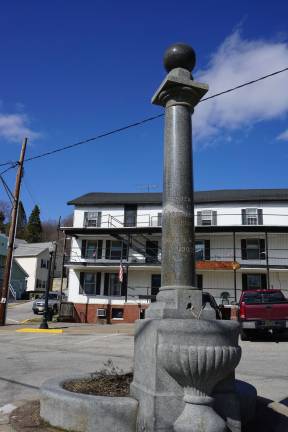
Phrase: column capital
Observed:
(178, 88)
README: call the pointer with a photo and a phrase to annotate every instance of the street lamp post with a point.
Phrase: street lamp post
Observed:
(44, 323)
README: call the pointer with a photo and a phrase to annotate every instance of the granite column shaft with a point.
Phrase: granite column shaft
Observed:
(178, 256)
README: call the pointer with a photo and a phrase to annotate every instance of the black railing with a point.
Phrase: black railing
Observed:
(108, 220)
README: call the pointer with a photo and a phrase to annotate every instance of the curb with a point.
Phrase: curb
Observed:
(37, 330)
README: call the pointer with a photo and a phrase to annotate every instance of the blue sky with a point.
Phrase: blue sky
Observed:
(73, 69)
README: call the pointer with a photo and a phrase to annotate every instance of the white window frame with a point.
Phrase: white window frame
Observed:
(207, 215)
(251, 216)
(91, 219)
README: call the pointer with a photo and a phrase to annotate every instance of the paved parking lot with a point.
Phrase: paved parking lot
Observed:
(26, 360)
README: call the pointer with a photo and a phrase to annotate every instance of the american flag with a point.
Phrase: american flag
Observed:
(121, 272)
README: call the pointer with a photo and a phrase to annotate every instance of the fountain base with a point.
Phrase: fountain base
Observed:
(160, 396)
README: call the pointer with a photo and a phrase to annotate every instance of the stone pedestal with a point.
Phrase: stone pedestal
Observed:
(160, 396)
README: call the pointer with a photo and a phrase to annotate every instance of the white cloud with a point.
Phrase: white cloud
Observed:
(236, 61)
(14, 127)
(283, 136)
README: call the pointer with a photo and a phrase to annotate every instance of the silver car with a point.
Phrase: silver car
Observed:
(38, 306)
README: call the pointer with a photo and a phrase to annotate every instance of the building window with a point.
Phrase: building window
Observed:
(253, 249)
(117, 313)
(90, 283)
(254, 281)
(252, 216)
(44, 263)
(112, 285)
(116, 250)
(92, 219)
(151, 251)
(202, 250)
(40, 284)
(130, 215)
(156, 220)
(91, 249)
(207, 217)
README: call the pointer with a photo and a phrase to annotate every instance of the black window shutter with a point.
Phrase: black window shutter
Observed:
(106, 284)
(99, 219)
(199, 218)
(262, 249)
(243, 249)
(244, 281)
(207, 250)
(263, 281)
(124, 250)
(98, 283)
(159, 221)
(81, 284)
(244, 218)
(83, 249)
(85, 218)
(260, 216)
(214, 217)
(199, 279)
(108, 247)
(99, 249)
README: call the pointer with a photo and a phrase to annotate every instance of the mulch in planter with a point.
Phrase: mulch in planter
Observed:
(101, 385)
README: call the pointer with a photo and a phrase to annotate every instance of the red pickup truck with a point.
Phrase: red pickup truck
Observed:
(263, 311)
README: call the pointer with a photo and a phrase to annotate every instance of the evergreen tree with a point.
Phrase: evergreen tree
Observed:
(34, 227)
(2, 224)
(21, 222)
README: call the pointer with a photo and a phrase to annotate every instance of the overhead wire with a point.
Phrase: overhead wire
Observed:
(138, 123)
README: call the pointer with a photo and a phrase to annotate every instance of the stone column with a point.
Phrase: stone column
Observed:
(180, 356)
(179, 94)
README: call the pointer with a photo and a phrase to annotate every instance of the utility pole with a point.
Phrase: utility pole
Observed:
(12, 233)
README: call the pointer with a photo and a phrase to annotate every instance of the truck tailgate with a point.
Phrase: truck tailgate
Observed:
(266, 311)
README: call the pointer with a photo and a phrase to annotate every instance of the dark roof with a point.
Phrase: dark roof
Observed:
(201, 197)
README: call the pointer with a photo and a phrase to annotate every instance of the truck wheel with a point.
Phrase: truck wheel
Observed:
(55, 310)
(35, 312)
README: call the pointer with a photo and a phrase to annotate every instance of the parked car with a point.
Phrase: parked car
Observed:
(263, 311)
(53, 303)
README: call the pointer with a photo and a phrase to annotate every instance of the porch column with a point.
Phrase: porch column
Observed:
(234, 269)
(267, 259)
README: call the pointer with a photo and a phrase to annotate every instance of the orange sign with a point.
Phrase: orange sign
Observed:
(217, 265)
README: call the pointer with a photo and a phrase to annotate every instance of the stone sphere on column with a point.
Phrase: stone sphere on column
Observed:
(179, 56)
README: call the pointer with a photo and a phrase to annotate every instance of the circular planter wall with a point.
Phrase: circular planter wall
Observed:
(86, 413)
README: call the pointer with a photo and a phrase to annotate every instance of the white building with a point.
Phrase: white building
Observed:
(34, 259)
(241, 243)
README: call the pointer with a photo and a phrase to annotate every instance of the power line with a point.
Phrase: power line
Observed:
(7, 190)
(136, 124)
(11, 167)
(245, 84)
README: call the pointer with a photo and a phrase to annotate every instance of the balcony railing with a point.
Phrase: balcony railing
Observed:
(108, 220)
(276, 257)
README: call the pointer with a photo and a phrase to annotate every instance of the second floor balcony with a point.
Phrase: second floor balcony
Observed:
(245, 217)
(249, 255)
